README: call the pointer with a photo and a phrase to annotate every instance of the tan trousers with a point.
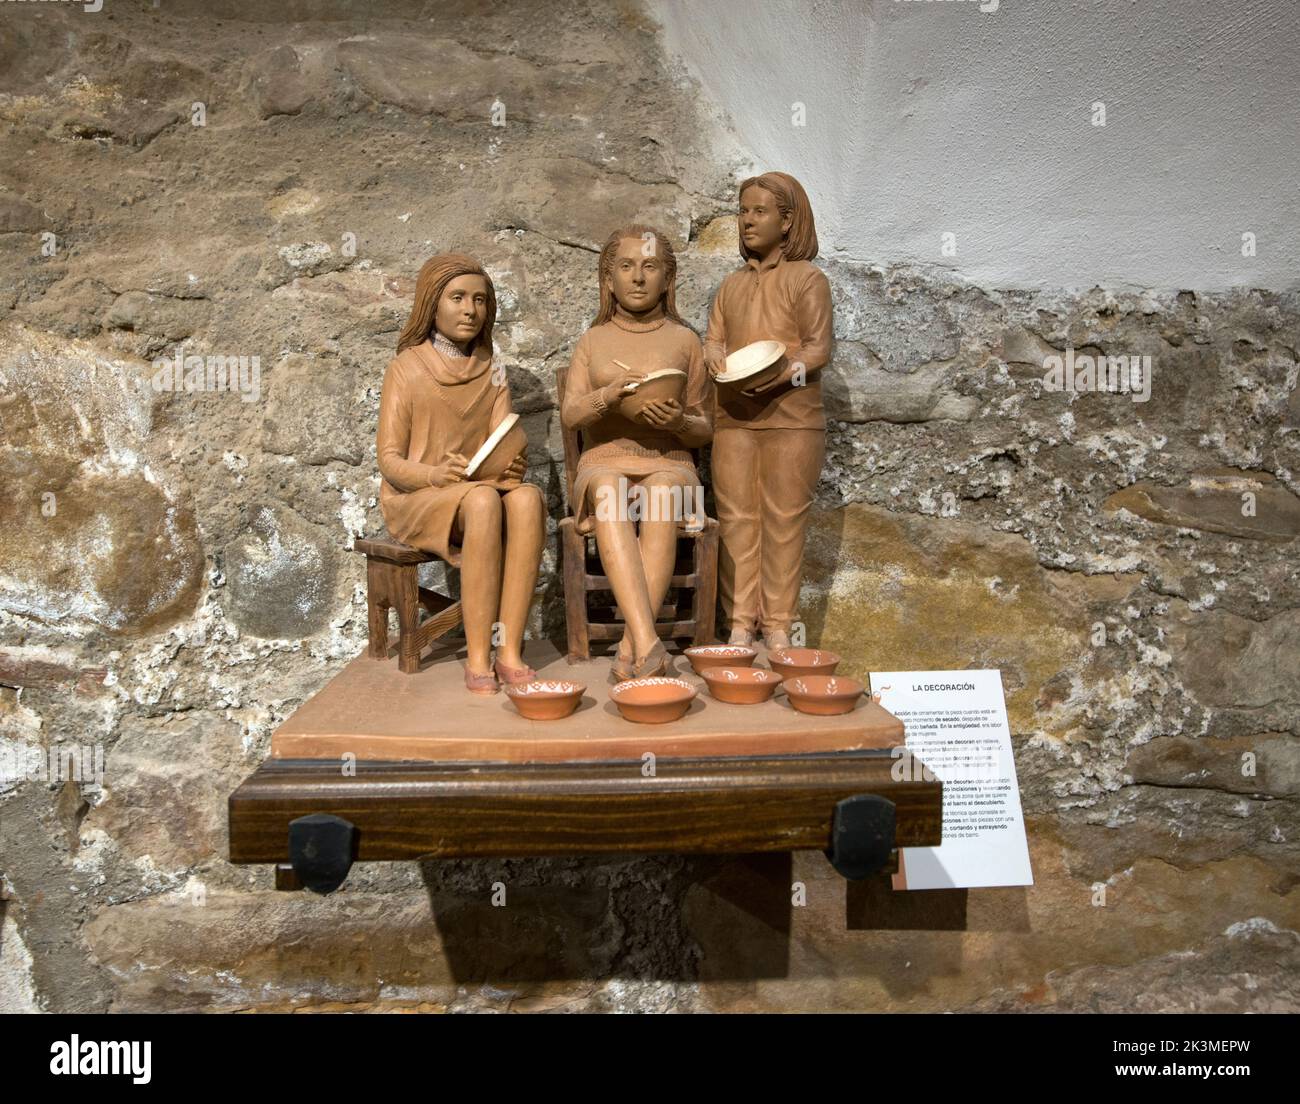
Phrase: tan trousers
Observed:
(763, 483)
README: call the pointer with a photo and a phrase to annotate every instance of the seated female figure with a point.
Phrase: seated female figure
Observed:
(441, 401)
(636, 467)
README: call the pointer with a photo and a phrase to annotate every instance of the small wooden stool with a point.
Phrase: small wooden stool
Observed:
(392, 582)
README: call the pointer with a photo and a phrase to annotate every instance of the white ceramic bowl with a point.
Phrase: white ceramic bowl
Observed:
(747, 365)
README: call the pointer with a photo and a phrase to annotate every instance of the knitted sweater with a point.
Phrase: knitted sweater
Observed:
(594, 380)
(786, 301)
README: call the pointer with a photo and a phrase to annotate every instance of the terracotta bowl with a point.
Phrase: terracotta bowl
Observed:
(824, 695)
(789, 662)
(741, 685)
(653, 700)
(546, 699)
(667, 383)
(704, 656)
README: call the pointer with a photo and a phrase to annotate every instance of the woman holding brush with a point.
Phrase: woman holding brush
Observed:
(636, 480)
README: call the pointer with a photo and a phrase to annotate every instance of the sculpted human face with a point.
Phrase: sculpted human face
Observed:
(462, 310)
(762, 226)
(638, 278)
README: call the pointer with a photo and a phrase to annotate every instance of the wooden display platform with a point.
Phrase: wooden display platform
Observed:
(431, 811)
(372, 711)
(441, 773)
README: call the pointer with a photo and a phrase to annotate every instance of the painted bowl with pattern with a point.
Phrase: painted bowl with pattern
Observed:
(789, 662)
(741, 685)
(546, 699)
(655, 700)
(704, 656)
(823, 695)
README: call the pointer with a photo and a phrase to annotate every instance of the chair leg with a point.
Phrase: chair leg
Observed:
(407, 600)
(704, 608)
(378, 600)
(573, 553)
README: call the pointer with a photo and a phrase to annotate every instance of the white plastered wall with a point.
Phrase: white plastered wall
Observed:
(926, 117)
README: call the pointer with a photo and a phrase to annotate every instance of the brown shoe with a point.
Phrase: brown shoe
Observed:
(777, 640)
(480, 684)
(654, 664)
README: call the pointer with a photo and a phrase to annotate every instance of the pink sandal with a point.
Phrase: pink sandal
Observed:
(514, 675)
(480, 684)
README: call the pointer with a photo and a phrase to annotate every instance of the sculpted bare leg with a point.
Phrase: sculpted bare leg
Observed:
(479, 519)
(657, 544)
(620, 556)
(525, 530)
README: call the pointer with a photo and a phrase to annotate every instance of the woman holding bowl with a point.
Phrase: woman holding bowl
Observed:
(636, 479)
(771, 438)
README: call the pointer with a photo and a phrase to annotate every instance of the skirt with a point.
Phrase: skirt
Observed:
(634, 469)
(424, 519)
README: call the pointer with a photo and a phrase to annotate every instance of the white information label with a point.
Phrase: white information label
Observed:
(956, 723)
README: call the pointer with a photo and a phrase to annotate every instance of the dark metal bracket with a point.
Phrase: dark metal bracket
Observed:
(322, 849)
(862, 835)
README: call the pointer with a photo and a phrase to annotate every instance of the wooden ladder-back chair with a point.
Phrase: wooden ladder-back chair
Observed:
(696, 571)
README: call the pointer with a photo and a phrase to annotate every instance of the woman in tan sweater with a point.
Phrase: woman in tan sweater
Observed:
(771, 439)
(441, 400)
(647, 455)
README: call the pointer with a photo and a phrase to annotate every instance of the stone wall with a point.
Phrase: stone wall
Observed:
(175, 576)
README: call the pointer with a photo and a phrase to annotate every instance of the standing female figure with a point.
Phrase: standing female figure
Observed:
(636, 464)
(771, 439)
(441, 400)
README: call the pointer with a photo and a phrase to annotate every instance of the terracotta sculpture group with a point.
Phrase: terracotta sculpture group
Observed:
(645, 392)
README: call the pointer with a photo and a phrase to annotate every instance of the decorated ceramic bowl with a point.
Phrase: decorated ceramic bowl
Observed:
(823, 695)
(546, 699)
(704, 656)
(653, 700)
(741, 685)
(789, 662)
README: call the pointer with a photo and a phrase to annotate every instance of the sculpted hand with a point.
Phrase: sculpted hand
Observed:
(663, 414)
(451, 470)
(517, 470)
(785, 376)
(715, 361)
(620, 389)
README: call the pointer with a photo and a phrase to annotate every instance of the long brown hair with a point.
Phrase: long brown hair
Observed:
(800, 242)
(605, 270)
(436, 273)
